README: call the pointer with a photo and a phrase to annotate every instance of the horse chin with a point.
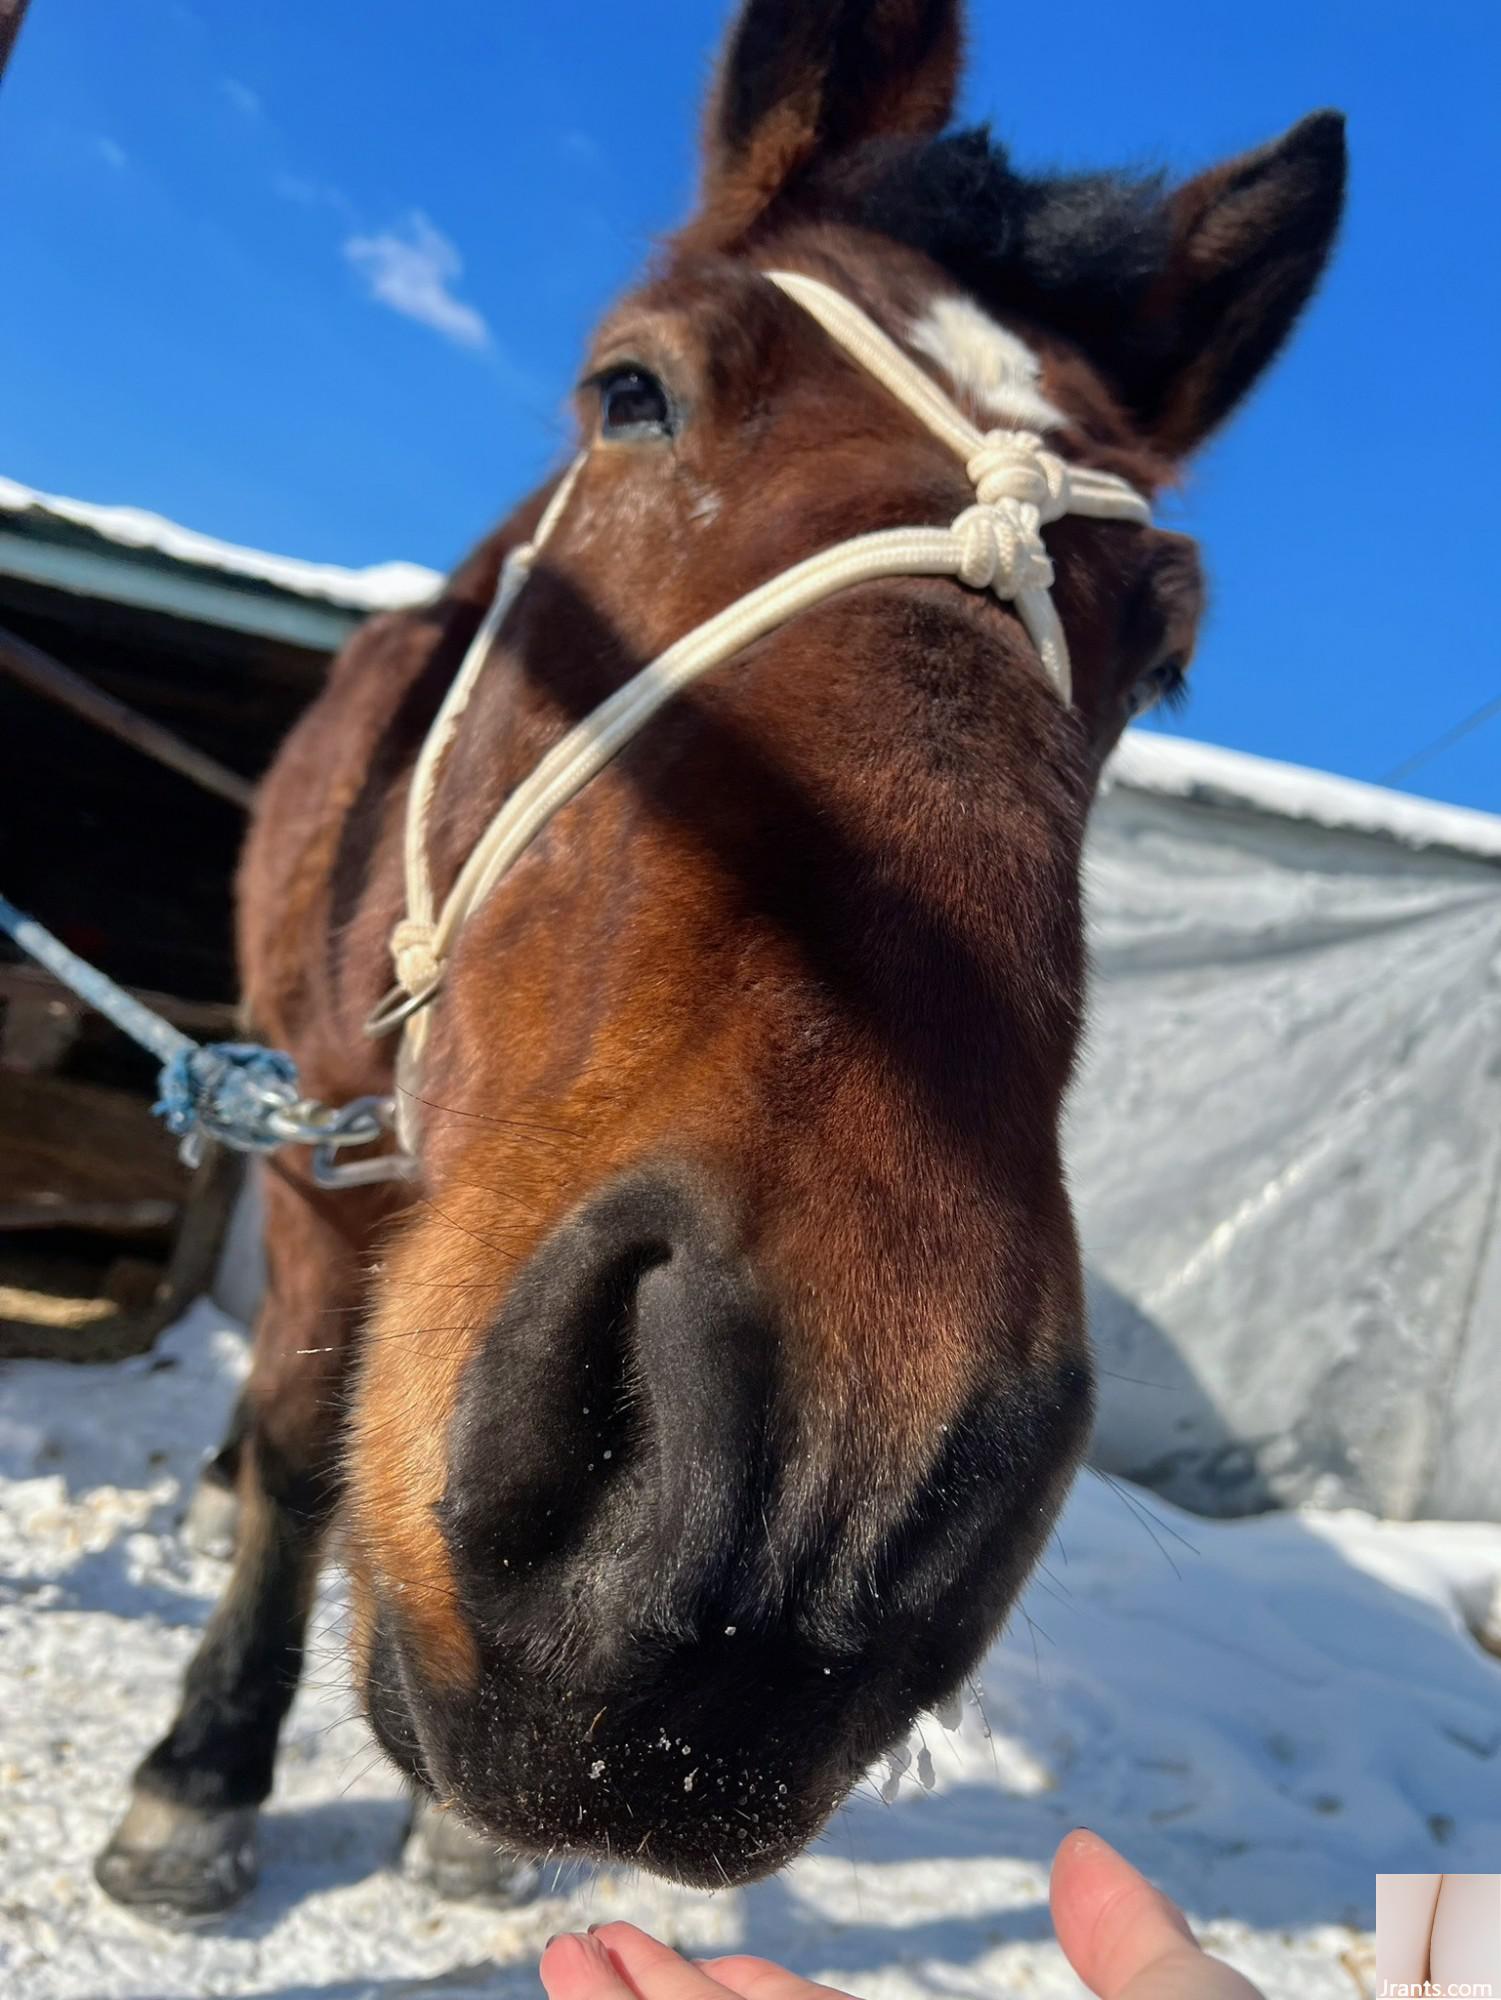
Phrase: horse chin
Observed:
(711, 1757)
(717, 1775)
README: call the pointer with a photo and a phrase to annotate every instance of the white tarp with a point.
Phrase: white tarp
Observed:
(1285, 1141)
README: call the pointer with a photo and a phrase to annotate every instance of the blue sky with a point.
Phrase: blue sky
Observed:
(316, 278)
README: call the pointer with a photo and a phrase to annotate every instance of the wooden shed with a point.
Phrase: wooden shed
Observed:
(147, 674)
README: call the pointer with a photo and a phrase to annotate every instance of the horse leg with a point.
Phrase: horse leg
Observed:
(186, 1847)
(444, 1855)
(212, 1522)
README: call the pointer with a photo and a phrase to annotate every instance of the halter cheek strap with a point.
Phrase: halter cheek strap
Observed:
(995, 544)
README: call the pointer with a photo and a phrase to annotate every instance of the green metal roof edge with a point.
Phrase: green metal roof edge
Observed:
(175, 590)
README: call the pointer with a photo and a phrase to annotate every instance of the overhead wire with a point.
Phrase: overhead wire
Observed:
(1456, 733)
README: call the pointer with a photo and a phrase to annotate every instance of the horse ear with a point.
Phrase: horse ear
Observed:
(1247, 242)
(802, 81)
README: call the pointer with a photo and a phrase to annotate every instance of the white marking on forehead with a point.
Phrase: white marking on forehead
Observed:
(986, 363)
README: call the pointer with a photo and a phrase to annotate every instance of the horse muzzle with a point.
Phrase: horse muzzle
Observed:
(685, 1643)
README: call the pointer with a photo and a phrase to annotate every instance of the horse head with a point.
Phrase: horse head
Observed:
(724, 1382)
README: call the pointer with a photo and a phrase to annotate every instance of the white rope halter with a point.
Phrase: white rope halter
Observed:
(996, 544)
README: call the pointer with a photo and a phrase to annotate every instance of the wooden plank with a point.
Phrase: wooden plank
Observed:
(82, 1142)
(45, 676)
(217, 1181)
(51, 1325)
(208, 1020)
(109, 1218)
(38, 1030)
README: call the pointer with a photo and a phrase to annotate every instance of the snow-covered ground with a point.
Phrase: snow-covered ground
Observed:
(1262, 1714)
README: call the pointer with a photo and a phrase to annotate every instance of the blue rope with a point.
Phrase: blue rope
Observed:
(228, 1090)
(231, 1091)
(156, 1036)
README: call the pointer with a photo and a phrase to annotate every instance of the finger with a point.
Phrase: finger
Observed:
(1109, 1919)
(760, 1979)
(574, 1967)
(649, 1969)
(1124, 1938)
(1186, 1973)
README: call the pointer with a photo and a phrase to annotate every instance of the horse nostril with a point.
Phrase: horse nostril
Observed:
(545, 1415)
(612, 1413)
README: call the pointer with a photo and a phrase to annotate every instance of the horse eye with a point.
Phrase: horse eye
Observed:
(633, 404)
(1166, 683)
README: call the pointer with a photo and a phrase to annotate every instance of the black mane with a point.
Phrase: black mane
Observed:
(1075, 251)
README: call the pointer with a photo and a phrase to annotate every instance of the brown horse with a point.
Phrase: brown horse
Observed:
(697, 1418)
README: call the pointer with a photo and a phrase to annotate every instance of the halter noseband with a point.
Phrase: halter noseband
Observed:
(995, 544)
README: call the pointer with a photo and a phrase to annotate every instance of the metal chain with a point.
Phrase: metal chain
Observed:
(238, 1093)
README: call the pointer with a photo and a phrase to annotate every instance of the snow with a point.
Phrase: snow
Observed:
(1174, 767)
(1261, 1713)
(389, 586)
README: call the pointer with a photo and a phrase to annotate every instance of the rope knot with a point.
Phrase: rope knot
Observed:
(1000, 549)
(412, 948)
(1015, 465)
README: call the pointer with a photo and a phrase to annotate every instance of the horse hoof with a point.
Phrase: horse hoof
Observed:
(177, 1863)
(443, 1855)
(212, 1521)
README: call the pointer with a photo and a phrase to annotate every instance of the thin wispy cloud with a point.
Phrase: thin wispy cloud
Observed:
(408, 266)
(412, 267)
(576, 144)
(245, 100)
(313, 194)
(111, 152)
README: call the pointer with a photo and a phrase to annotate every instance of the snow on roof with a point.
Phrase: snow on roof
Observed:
(383, 587)
(1172, 767)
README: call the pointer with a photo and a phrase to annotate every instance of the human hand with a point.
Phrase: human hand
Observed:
(1124, 1938)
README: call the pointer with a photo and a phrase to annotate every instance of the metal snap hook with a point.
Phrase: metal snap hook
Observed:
(362, 1122)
